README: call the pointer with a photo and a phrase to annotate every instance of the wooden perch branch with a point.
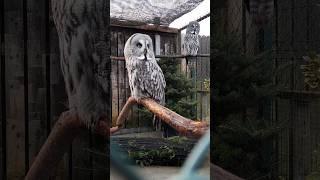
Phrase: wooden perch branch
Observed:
(218, 173)
(59, 140)
(63, 133)
(183, 125)
(125, 111)
(69, 126)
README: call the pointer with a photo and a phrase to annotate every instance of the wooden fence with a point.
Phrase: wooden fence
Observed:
(296, 34)
(33, 95)
(292, 33)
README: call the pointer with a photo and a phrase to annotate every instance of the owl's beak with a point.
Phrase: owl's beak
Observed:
(145, 54)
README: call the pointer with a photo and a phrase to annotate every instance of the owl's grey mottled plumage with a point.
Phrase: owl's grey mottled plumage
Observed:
(191, 39)
(82, 29)
(146, 79)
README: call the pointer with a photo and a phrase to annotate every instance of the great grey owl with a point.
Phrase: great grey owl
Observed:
(191, 39)
(82, 28)
(146, 79)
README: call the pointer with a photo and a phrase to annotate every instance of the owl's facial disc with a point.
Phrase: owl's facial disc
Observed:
(193, 27)
(144, 50)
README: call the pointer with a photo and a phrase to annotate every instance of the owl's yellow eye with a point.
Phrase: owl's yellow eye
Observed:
(139, 45)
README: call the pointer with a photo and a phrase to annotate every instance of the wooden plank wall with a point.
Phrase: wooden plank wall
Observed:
(202, 74)
(2, 95)
(295, 34)
(33, 95)
(14, 70)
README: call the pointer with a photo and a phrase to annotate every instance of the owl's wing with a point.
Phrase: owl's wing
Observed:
(155, 86)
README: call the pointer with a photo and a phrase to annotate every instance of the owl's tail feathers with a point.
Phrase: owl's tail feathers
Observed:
(156, 123)
(167, 131)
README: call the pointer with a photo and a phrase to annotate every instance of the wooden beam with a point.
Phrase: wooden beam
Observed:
(198, 20)
(143, 26)
(291, 94)
(121, 58)
(182, 56)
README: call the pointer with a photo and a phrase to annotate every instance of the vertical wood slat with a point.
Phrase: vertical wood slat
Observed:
(26, 83)
(244, 26)
(47, 52)
(283, 35)
(291, 130)
(202, 73)
(3, 149)
(118, 69)
(58, 98)
(70, 164)
(100, 164)
(15, 90)
(114, 77)
(128, 91)
(121, 72)
(36, 77)
(126, 81)
(90, 155)
(276, 170)
(81, 164)
(47, 65)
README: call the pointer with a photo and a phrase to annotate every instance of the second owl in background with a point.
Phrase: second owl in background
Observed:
(191, 39)
(146, 79)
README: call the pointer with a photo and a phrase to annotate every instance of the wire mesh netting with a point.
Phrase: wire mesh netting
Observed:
(151, 11)
(296, 35)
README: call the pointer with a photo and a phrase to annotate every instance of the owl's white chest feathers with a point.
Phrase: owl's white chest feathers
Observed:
(146, 80)
(191, 44)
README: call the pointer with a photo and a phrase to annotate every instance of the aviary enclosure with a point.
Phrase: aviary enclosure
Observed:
(33, 94)
(277, 131)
